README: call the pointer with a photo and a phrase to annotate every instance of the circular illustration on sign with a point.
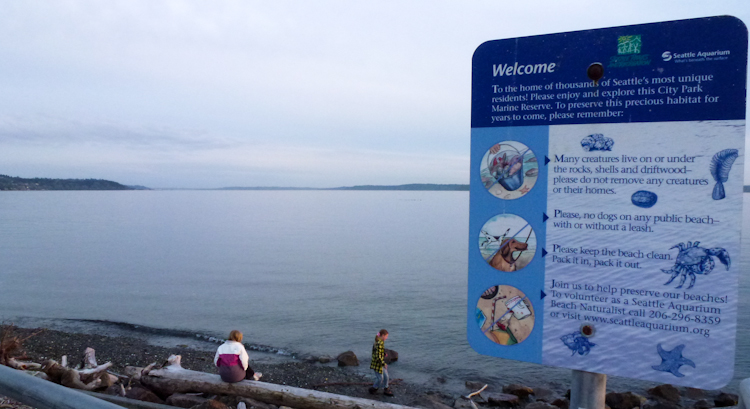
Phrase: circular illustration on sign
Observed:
(507, 242)
(505, 315)
(509, 170)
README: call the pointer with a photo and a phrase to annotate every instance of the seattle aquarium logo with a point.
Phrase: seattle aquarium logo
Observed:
(629, 45)
(629, 53)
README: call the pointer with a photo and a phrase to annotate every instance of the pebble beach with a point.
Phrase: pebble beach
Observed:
(323, 374)
(127, 351)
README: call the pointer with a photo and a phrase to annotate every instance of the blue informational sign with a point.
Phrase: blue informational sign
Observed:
(606, 199)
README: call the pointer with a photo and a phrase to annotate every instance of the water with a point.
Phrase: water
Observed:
(304, 272)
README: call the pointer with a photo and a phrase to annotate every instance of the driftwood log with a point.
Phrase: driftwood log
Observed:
(173, 378)
(92, 377)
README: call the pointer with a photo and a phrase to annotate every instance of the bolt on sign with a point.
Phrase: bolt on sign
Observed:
(606, 199)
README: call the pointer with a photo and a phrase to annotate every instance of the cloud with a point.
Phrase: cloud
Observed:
(59, 132)
(231, 87)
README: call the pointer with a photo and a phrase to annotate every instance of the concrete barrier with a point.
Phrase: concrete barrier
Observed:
(744, 402)
(42, 394)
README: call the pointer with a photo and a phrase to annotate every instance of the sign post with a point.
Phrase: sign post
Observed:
(606, 201)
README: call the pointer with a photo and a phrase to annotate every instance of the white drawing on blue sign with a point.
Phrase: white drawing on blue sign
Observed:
(487, 240)
(671, 361)
(721, 164)
(692, 260)
(597, 142)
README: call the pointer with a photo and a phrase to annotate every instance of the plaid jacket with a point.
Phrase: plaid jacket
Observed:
(378, 356)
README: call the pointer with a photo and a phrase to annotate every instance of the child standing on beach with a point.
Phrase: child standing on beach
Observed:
(378, 364)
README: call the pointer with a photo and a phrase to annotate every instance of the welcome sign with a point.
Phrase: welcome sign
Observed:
(606, 199)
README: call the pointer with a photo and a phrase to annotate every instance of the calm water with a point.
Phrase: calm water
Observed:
(307, 272)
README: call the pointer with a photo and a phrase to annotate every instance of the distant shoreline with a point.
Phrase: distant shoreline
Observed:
(412, 186)
(12, 183)
(23, 184)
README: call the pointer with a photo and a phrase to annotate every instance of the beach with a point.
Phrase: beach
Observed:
(309, 372)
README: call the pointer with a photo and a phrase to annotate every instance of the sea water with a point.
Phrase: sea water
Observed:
(300, 272)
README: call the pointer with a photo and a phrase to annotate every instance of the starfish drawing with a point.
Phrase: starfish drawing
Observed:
(671, 361)
(524, 189)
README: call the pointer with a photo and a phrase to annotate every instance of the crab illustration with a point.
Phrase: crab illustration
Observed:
(577, 343)
(692, 260)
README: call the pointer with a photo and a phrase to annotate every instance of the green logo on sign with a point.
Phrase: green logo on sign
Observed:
(629, 45)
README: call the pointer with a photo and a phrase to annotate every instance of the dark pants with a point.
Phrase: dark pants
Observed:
(235, 373)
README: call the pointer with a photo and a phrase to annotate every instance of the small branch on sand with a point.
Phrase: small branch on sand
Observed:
(10, 344)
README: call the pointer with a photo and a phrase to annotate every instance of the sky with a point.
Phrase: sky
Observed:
(207, 94)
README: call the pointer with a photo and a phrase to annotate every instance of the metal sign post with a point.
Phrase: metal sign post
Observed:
(588, 390)
(606, 200)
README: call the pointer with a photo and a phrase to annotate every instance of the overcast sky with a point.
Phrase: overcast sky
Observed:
(203, 94)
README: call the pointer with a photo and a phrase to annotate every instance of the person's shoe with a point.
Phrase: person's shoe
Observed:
(372, 390)
(257, 376)
(387, 392)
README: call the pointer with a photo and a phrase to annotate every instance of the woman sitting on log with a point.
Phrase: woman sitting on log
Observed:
(232, 360)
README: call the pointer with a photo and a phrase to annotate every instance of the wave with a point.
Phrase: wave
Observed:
(121, 328)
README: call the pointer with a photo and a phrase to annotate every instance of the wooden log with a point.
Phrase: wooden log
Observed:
(89, 359)
(67, 377)
(175, 379)
(13, 363)
(88, 374)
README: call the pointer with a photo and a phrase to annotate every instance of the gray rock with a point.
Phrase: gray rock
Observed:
(627, 400)
(667, 392)
(726, 399)
(562, 403)
(702, 404)
(504, 400)
(475, 385)
(539, 405)
(462, 404)
(431, 403)
(115, 390)
(695, 393)
(348, 358)
(660, 404)
(141, 393)
(182, 400)
(390, 356)
(324, 359)
(521, 391)
(211, 404)
(545, 395)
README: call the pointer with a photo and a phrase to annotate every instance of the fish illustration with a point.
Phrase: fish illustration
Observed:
(532, 172)
(721, 163)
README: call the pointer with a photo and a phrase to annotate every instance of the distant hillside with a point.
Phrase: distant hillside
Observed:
(15, 183)
(266, 188)
(413, 186)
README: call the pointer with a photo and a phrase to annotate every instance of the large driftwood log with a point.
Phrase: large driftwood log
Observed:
(67, 377)
(93, 377)
(175, 379)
